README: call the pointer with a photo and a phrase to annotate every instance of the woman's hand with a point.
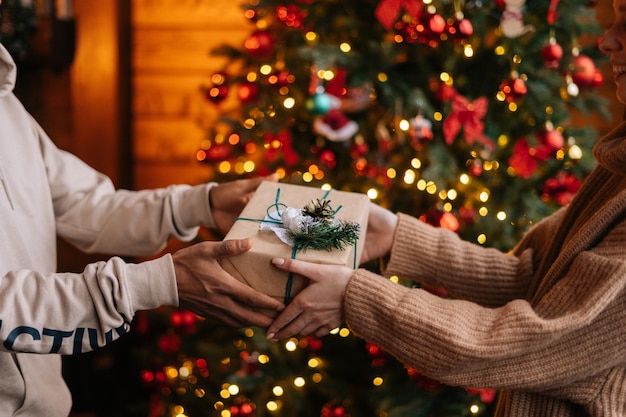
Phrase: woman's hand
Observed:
(318, 308)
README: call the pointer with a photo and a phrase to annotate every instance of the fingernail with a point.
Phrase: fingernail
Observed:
(278, 261)
(270, 337)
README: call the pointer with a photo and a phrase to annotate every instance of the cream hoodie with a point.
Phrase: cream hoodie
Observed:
(46, 192)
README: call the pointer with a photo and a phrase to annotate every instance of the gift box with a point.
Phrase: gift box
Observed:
(263, 220)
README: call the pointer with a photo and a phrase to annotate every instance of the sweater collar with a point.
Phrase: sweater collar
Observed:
(7, 72)
(610, 151)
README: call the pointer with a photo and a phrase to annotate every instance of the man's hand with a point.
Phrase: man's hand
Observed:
(229, 198)
(381, 227)
(207, 290)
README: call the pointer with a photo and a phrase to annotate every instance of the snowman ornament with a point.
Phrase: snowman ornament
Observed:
(512, 20)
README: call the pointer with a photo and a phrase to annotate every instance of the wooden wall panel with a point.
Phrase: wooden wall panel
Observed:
(163, 95)
(166, 140)
(175, 49)
(171, 60)
(219, 14)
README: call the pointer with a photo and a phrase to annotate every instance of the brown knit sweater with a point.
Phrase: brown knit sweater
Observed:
(544, 324)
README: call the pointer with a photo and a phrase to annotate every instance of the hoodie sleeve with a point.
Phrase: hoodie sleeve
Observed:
(77, 313)
(95, 217)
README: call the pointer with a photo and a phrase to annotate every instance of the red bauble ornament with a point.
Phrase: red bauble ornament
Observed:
(598, 79)
(248, 92)
(246, 409)
(359, 149)
(551, 137)
(281, 79)
(422, 380)
(219, 90)
(513, 88)
(500, 3)
(407, 31)
(169, 343)
(219, 152)
(216, 94)
(475, 168)
(584, 71)
(328, 158)
(460, 29)
(291, 15)
(260, 44)
(435, 24)
(552, 53)
(331, 410)
(468, 214)
(429, 28)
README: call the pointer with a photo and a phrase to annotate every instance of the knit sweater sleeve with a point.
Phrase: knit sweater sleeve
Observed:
(574, 332)
(439, 257)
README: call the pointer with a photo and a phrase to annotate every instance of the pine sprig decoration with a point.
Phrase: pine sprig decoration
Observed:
(315, 227)
(326, 236)
(319, 210)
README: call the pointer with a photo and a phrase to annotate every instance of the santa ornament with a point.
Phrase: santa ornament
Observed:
(512, 20)
(335, 126)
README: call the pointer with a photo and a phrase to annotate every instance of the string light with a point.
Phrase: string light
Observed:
(289, 103)
(409, 176)
(272, 406)
(468, 51)
(372, 193)
(575, 152)
(291, 345)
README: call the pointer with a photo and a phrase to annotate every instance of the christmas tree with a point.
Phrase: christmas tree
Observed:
(458, 112)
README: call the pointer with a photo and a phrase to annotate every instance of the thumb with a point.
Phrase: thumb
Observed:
(255, 182)
(232, 247)
(306, 269)
(272, 177)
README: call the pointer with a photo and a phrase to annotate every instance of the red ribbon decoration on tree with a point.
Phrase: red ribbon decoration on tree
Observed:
(551, 17)
(387, 11)
(468, 116)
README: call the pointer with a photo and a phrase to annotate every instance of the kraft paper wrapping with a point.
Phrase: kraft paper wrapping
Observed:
(255, 268)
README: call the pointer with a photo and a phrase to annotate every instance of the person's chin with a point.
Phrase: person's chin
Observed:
(620, 88)
(621, 95)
